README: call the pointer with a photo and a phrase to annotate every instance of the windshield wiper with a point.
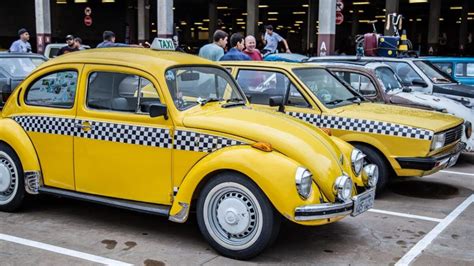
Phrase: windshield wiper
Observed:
(354, 99)
(207, 100)
(334, 102)
(233, 102)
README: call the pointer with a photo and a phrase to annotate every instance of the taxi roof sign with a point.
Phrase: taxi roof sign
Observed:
(163, 44)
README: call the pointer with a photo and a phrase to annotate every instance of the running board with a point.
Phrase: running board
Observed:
(149, 208)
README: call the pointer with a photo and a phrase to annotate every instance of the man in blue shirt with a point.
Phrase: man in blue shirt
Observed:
(235, 53)
(109, 41)
(271, 40)
(21, 45)
(214, 51)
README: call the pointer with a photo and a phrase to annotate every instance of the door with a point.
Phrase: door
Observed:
(120, 151)
(48, 108)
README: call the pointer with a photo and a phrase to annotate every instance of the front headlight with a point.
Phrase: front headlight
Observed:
(343, 188)
(468, 129)
(357, 161)
(370, 175)
(304, 180)
(438, 141)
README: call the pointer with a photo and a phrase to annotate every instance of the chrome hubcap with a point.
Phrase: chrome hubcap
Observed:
(233, 216)
(8, 178)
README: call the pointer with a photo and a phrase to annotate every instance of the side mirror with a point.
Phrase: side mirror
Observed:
(419, 83)
(154, 109)
(275, 101)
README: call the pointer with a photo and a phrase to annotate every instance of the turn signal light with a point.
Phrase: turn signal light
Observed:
(263, 146)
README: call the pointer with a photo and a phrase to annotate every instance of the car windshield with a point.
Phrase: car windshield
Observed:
(20, 66)
(406, 73)
(388, 79)
(434, 74)
(190, 86)
(328, 89)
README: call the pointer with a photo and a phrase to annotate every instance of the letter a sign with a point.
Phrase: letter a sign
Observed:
(322, 49)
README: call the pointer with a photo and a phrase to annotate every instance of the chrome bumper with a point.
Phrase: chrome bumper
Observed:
(331, 210)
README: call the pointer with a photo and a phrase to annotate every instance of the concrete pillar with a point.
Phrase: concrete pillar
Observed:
(141, 23)
(327, 27)
(433, 26)
(147, 20)
(43, 24)
(212, 19)
(165, 18)
(311, 32)
(391, 6)
(463, 26)
(252, 17)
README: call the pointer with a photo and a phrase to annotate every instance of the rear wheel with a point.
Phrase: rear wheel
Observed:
(12, 188)
(374, 157)
(235, 217)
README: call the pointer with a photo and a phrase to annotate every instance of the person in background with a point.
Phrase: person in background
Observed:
(250, 50)
(271, 40)
(70, 47)
(235, 53)
(214, 51)
(109, 41)
(21, 45)
(78, 43)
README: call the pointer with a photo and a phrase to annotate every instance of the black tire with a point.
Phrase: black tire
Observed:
(373, 156)
(12, 188)
(263, 222)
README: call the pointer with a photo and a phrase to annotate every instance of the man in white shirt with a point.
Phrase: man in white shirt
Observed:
(21, 45)
(271, 40)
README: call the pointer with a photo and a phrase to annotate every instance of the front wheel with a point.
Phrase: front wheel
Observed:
(235, 217)
(374, 157)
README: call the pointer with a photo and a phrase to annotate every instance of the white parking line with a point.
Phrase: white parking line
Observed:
(406, 215)
(416, 250)
(456, 173)
(60, 250)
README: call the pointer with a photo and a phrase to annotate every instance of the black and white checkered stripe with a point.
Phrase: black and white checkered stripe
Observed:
(123, 133)
(364, 125)
(193, 141)
(47, 124)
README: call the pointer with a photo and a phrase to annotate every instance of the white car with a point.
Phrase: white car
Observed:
(52, 49)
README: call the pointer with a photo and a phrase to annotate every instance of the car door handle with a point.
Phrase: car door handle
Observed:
(86, 126)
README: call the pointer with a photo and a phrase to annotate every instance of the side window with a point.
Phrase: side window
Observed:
(119, 92)
(470, 69)
(445, 67)
(358, 82)
(460, 70)
(53, 90)
(261, 85)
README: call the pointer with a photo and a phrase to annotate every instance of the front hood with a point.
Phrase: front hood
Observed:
(454, 89)
(438, 103)
(428, 120)
(313, 150)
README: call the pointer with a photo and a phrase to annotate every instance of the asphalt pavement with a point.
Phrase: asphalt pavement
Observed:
(418, 221)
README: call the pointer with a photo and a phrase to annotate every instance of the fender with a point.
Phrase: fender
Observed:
(13, 134)
(366, 139)
(346, 150)
(272, 171)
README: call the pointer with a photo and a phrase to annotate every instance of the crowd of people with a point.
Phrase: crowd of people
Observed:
(240, 47)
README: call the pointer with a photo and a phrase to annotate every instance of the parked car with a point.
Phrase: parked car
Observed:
(14, 67)
(459, 68)
(417, 74)
(399, 140)
(52, 49)
(378, 83)
(162, 132)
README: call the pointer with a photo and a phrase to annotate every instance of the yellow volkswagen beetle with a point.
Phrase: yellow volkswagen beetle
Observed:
(161, 132)
(400, 141)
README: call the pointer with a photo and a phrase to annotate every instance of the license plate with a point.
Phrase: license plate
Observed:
(363, 202)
